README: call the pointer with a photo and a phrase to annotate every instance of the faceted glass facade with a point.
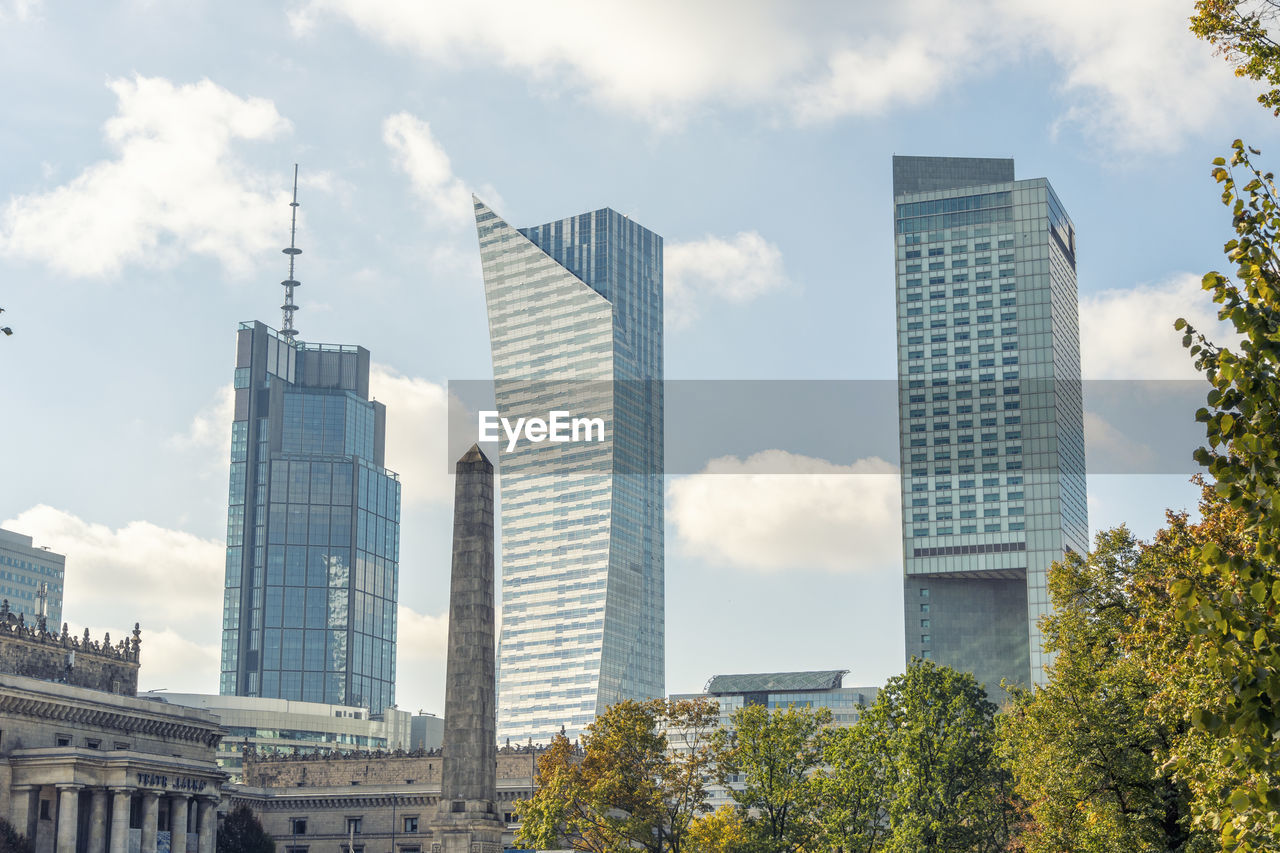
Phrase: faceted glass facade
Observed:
(313, 528)
(575, 324)
(991, 416)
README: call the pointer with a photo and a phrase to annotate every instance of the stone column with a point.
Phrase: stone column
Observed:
(20, 809)
(150, 820)
(68, 816)
(121, 805)
(208, 816)
(178, 804)
(98, 821)
(467, 818)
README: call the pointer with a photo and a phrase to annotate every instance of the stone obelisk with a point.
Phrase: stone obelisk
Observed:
(467, 820)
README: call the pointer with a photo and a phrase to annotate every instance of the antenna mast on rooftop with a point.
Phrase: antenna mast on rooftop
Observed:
(287, 309)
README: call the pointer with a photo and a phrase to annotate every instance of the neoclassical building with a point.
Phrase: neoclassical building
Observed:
(379, 801)
(85, 765)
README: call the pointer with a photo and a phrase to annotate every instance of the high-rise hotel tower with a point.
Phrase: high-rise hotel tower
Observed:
(313, 524)
(575, 325)
(990, 410)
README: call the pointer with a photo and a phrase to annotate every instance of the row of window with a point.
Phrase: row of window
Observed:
(949, 530)
(956, 263)
(959, 248)
(355, 825)
(27, 565)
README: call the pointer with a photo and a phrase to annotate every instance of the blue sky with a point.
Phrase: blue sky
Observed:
(145, 154)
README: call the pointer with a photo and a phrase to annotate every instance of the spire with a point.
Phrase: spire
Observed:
(286, 327)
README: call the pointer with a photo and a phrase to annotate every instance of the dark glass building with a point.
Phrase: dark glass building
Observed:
(313, 528)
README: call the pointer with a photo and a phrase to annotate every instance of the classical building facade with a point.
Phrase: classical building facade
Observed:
(380, 801)
(85, 765)
(990, 410)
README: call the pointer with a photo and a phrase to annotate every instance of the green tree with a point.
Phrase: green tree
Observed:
(242, 833)
(1241, 31)
(1231, 608)
(767, 761)
(721, 831)
(12, 841)
(949, 789)
(638, 782)
(1183, 669)
(1086, 750)
(854, 784)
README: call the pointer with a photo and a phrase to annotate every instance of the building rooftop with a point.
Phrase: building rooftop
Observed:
(776, 682)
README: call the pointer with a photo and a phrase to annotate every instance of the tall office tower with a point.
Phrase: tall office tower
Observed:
(575, 325)
(313, 525)
(31, 578)
(990, 411)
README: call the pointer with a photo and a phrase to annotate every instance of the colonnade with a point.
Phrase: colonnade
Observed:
(108, 819)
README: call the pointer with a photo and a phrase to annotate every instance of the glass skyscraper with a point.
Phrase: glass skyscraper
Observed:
(575, 324)
(313, 528)
(990, 410)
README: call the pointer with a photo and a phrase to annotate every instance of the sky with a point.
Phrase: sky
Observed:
(146, 155)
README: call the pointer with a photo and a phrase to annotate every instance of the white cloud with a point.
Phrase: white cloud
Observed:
(19, 11)
(1129, 73)
(1134, 76)
(1129, 334)
(418, 431)
(420, 156)
(736, 270)
(173, 188)
(171, 661)
(1109, 449)
(422, 641)
(775, 511)
(422, 637)
(210, 429)
(645, 57)
(167, 580)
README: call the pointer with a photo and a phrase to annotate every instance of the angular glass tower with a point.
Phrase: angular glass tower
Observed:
(990, 410)
(313, 528)
(575, 324)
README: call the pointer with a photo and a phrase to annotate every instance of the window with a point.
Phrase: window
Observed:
(44, 810)
(411, 824)
(62, 740)
(924, 639)
(298, 825)
(92, 743)
(924, 623)
(924, 608)
(355, 824)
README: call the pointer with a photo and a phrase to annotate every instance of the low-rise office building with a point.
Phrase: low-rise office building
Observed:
(426, 731)
(285, 726)
(780, 690)
(85, 765)
(31, 577)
